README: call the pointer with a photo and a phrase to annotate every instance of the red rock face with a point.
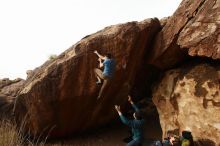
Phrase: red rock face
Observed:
(188, 98)
(193, 29)
(60, 97)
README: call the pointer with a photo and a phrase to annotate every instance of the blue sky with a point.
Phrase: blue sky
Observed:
(31, 30)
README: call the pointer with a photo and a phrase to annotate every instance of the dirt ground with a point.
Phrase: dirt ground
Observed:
(112, 135)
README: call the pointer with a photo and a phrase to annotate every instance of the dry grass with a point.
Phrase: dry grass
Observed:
(109, 136)
(10, 136)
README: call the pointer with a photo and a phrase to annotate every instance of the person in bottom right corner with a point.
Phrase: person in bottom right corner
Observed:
(186, 139)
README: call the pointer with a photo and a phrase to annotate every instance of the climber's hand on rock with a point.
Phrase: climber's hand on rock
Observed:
(96, 52)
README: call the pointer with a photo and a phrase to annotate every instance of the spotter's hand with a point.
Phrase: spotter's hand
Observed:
(117, 108)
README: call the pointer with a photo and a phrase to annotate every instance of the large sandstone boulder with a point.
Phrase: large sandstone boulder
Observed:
(193, 29)
(188, 98)
(8, 92)
(201, 35)
(60, 97)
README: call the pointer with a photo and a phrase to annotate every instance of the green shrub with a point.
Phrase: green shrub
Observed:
(52, 56)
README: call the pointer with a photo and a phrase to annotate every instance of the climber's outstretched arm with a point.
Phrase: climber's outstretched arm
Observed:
(99, 55)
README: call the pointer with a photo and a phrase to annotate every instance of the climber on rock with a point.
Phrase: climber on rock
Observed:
(137, 124)
(108, 63)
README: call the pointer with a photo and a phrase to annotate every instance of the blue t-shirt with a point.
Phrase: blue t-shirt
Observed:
(109, 67)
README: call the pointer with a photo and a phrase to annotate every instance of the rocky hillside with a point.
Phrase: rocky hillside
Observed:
(8, 91)
(59, 98)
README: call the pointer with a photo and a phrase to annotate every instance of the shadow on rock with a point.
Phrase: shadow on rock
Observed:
(204, 142)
